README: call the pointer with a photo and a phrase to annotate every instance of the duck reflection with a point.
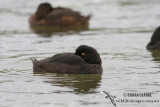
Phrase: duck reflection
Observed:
(155, 55)
(50, 30)
(79, 83)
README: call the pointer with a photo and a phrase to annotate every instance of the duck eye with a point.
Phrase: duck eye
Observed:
(83, 54)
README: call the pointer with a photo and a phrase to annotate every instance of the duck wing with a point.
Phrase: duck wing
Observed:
(61, 12)
(67, 58)
(62, 16)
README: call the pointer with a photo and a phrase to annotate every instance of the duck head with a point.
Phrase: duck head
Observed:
(89, 54)
(43, 10)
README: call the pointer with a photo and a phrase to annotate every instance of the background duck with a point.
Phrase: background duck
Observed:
(154, 44)
(64, 17)
(86, 60)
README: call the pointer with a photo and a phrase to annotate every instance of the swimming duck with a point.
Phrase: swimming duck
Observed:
(154, 44)
(64, 17)
(85, 60)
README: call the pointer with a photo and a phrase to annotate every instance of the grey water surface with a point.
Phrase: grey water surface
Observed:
(119, 30)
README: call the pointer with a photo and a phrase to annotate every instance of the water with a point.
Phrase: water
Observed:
(119, 30)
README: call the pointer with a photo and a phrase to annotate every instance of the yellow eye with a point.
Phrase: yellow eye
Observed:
(83, 53)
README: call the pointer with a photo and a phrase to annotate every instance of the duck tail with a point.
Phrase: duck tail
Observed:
(86, 19)
(89, 16)
(34, 61)
(36, 64)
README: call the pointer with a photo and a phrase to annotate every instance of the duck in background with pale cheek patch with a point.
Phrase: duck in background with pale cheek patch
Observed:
(154, 44)
(64, 17)
(86, 60)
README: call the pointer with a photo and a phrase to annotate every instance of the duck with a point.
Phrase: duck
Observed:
(85, 60)
(46, 15)
(154, 43)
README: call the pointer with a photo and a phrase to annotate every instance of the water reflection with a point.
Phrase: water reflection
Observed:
(80, 84)
(49, 30)
(155, 55)
(126, 3)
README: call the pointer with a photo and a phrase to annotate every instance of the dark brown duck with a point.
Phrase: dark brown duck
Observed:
(154, 44)
(85, 60)
(47, 15)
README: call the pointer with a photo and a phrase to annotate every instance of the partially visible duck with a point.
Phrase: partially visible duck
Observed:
(64, 17)
(154, 44)
(85, 60)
